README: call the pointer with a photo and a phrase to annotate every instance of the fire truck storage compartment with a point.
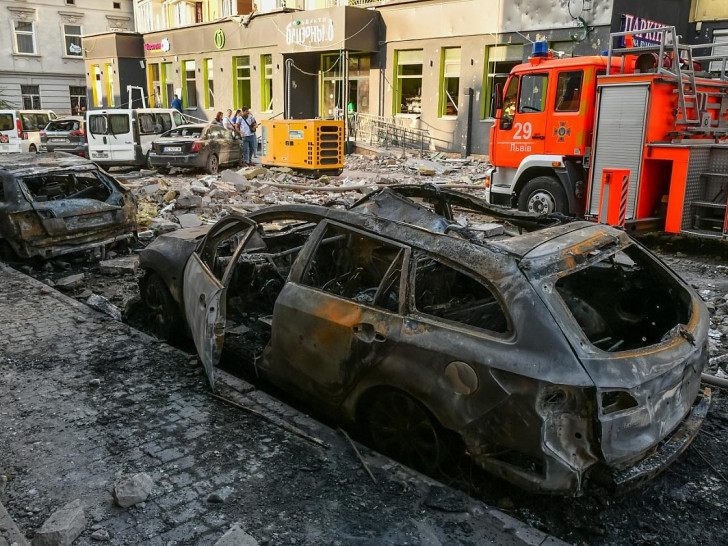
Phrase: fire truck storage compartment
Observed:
(618, 138)
(706, 190)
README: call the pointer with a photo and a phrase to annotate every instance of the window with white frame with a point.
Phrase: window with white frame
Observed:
(31, 97)
(78, 99)
(24, 37)
(408, 82)
(72, 38)
(227, 8)
(500, 59)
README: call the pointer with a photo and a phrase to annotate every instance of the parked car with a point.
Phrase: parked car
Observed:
(202, 146)
(30, 124)
(67, 134)
(124, 136)
(9, 138)
(55, 204)
(561, 358)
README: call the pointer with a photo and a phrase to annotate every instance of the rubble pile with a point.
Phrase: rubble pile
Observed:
(186, 199)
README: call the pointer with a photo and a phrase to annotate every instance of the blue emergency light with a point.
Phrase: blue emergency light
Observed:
(540, 49)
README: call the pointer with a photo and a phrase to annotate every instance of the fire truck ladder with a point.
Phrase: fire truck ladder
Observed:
(674, 61)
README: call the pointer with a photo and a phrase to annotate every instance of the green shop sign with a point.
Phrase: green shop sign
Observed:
(219, 38)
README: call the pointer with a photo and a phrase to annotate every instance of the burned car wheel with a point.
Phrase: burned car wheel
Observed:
(163, 318)
(402, 428)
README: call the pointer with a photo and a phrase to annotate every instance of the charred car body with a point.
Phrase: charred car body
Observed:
(55, 204)
(560, 357)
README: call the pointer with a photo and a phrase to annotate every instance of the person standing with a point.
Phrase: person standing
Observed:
(176, 103)
(226, 122)
(252, 124)
(218, 119)
(250, 141)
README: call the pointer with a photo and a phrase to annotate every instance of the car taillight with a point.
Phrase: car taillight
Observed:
(20, 129)
(79, 132)
(196, 146)
(42, 133)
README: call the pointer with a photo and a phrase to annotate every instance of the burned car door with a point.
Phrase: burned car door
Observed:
(339, 314)
(204, 286)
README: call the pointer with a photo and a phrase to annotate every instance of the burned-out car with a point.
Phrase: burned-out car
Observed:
(562, 357)
(55, 204)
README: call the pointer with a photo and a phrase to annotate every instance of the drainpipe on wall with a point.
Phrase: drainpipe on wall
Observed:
(469, 128)
(287, 90)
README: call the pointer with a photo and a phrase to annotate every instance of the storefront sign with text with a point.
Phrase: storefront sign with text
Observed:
(310, 31)
(164, 46)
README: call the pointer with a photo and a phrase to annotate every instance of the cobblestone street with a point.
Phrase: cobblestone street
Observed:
(65, 436)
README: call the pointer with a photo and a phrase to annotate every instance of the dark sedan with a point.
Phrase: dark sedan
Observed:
(66, 134)
(560, 358)
(201, 146)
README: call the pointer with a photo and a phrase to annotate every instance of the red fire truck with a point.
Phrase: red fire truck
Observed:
(636, 136)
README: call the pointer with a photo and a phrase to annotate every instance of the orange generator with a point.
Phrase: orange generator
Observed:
(313, 146)
(648, 112)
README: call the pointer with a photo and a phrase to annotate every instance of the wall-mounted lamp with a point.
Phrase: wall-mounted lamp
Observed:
(430, 63)
(472, 62)
(278, 67)
(221, 69)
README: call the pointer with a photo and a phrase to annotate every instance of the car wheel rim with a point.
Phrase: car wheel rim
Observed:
(401, 428)
(541, 202)
(213, 164)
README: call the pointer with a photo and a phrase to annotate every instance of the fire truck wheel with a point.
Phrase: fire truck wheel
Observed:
(543, 195)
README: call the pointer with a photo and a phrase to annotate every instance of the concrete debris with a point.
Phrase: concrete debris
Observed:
(100, 303)
(426, 171)
(188, 201)
(63, 527)
(72, 282)
(253, 172)
(132, 489)
(424, 166)
(100, 535)
(119, 266)
(189, 220)
(160, 225)
(284, 170)
(94, 383)
(236, 536)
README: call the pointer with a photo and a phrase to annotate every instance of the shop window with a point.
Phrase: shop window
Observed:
(72, 38)
(532, 98)
(359, 66)
(167, 85)
(408, 82)
(78, 99)
(155, 85)
(97, 85)
(31, 97)
(450, 81)
(208, 68)
(241, 69)
(109, 73)
(332, 88)
(500, 60)
(24, 37)
(266, 72)
(568, 91)
(453, 296)
(189, 99)
(563, 48)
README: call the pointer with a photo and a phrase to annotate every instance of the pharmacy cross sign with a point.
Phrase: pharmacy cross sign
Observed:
(219, 38)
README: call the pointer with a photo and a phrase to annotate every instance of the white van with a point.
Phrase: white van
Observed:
(24, 135)
(30, 124)
(124, 136)
(9, 139)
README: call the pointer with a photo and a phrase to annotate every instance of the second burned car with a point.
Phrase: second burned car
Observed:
(561, 358)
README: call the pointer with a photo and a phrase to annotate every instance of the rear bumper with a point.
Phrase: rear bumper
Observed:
(67, 148)
(669, 449)
(183, 160)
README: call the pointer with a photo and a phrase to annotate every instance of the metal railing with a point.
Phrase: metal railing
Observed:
(388, 132)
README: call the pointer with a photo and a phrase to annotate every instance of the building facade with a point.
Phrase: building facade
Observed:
(42, 63)
(428, 66)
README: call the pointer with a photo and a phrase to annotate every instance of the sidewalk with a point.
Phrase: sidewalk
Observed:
(63, 438)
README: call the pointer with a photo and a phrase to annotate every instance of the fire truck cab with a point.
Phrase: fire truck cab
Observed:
(542, 136)
(638, 136)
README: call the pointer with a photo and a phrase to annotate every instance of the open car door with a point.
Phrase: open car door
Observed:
(205, 286)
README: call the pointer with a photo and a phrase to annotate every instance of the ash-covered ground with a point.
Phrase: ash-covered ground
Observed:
(685, 505)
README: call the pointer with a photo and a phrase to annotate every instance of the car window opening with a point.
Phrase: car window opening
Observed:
(63, 125)
(255, 283)
(357, 267)
(447, 293)
(626, 301)
(57, 186)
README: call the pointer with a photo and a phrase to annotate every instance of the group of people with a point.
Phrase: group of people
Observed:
(244, 124)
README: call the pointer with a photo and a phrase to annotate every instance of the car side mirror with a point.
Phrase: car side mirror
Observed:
(498, 96)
